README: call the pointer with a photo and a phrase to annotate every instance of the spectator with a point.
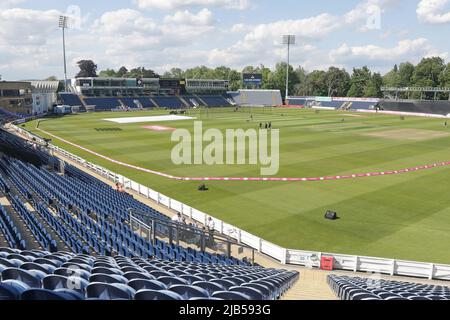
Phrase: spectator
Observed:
(176, 218)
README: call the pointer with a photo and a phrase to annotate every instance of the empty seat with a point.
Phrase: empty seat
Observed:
(187, 292)
(107, 278)
(157, 295)
(253, 293)
(53, 282)
(44, 294)
(107, 291)
(32, 278)
(228, 295)
(171, 281)
(12, 289)
(139, 284)
(211, 287)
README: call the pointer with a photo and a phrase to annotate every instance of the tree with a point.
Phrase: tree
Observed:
(405, 74)
(337, 82)
(88, 69)
(392, 78)
(445, 78)
(108, 73)
(52, 78)
(427, 72)
(277, 79)
(373, 88)
(235, 80)
(121, 72)
(359, 80)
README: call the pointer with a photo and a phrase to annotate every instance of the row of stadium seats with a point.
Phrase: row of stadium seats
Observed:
(91, 215)
(355, 288)
(170, 102)
(40, 275)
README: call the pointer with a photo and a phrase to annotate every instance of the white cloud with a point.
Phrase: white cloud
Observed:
(177, 4)
(432, 11)
(202, 18)
(9, 3)
(404, 50)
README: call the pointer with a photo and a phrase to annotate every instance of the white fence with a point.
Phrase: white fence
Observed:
(285, 256)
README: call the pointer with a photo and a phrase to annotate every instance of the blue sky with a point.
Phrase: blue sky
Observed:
(161, 34)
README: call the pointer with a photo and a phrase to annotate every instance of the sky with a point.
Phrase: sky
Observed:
(162, 34)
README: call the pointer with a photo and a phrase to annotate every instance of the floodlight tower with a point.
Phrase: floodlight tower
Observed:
(64, 24)
(288, 40)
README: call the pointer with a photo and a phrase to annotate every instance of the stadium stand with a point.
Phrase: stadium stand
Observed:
(41, 275)
(7, 116)
(428, 107)
(137, 103)
(170, 102)
(75, 220)
(355, 288)
(72, 100)
(215, 101)
(103, 104)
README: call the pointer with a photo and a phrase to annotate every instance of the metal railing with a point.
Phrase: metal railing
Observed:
(188, 236)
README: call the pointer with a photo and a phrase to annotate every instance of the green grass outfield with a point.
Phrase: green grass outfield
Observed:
(403, 216)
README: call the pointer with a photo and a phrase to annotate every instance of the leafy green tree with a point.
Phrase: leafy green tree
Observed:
(373, 88)
(405, 73)
(87, 69)
(277, 79)
(428, 71)
(359, 80)
(337, 82)
(108, 73)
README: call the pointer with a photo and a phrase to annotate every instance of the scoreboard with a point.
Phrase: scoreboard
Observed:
(252, 79)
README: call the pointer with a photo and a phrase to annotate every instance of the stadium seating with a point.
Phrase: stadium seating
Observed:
(85, 223)
(72, 100)
(214, 101)
(428, 107)
(170, 102)
(47, 283)
(103, 104)
(145, 102)
(355, 288)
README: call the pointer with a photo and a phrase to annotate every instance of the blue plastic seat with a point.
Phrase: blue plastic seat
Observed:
(157, 295)
(131, 275)
(68, 272)
(12, 289)
(104, 270)
(224, 283)
(211, 287)
(191, 279)
(44, 294)
(253, 293)
(107, 291)
(228, 295)
(32, 278)
(139, 284)
(53, 282)
(45, 268)
(187, 292)
(108, 278)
